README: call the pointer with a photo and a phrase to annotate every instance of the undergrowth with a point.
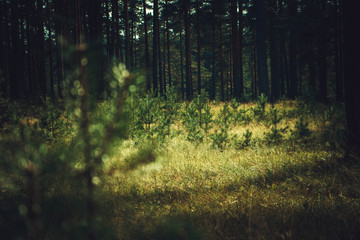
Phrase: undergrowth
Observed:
(193, 170)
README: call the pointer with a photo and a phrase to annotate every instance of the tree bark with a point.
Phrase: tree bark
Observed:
(198, 47)
(188, 50)
(155, 46)
(147, 60)
(241, 71)
(235, 48)
(351, 77)
(261, 49)
(293, 81)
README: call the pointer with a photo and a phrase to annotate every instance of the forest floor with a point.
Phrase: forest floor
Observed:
(289, 190)
(263, 186)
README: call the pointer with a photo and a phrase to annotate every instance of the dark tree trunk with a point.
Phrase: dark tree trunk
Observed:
(96, 65)
(60, 12)
(338, 54)
(351, 76)
(15, 56)
(162, 69)
(4, 49)
(40, 43)
(293, 81)
(322, 59)
(115, 35)
(188, 50)
(312, 73)
(198, 47)
(168, 45)
(51, 64)
(261, 48)
(182, 65)
(241, 71)
(127, 34)
(155, 46)
(213, 76)
(274, 58)
(221, 59)
(235, 48)
(109, 32)
(254, 82)
(147, 60)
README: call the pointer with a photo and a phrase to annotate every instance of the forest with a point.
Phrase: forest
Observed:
(179, 119)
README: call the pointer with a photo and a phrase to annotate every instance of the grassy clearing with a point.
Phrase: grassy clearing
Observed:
(161, 184)
(263, 191)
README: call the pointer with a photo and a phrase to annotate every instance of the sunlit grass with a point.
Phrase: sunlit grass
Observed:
(267, 189)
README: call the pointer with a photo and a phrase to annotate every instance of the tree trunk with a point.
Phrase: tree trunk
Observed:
(182, 65)
(168, 45)
(59, 34)
(351, 77)
(188, 50)
(127, 35)
(322, 58)
(155, 46)
(221, 60)
(15, 53)
(338, 54)
(274, 58)
(261, 48)
(293, 81)
(213, 77)
(115, 35)
(198, 47)
(147, 60)
(241, 71)
(40, 36)
(51, 65)
(109, 33)
(96, 65)
(235, 48)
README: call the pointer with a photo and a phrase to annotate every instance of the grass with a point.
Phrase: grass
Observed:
(260, 192)
(185, 190)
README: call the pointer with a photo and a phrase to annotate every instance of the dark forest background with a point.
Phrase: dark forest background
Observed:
(229, 49)
(173, 82)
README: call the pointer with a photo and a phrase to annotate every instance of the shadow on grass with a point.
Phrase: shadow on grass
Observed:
(320, 200)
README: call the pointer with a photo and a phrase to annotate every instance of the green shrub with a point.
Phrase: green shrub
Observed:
(276, 134)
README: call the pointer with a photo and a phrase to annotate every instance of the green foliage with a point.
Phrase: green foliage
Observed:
(224, 117)
(68, 175)
(170, 110)
(332, 122)
(207, 119)
(191, 121)
(301, 130)
(54, 123)
(244, 141)
(151, 175)
(241, 115)
(146, 114)
(260, 108)
(276, 133)
(221, 138)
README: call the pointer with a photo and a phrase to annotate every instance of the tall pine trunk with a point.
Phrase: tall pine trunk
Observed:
(293, 81)
(198, 47)
(155, 46)
(188, 69)
(147, 60)
(235, 48)
(261, 49)
(322, 59)
(352, 78)
(241, 71)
